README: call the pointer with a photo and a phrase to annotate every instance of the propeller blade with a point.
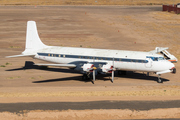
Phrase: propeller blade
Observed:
(94, 75)
(112, 76)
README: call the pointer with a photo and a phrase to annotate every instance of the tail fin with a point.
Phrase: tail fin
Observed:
(33, 42)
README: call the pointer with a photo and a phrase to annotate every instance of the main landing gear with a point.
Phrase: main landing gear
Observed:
(159, 79)
(87, 77)
(120, 72)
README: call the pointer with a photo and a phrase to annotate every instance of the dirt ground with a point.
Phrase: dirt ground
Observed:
(87, 2)
(139, 28)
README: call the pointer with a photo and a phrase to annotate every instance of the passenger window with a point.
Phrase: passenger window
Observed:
(64, 55)
(59, 55)
(155, 59)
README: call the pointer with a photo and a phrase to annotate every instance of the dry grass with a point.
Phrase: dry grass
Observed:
(87, 2)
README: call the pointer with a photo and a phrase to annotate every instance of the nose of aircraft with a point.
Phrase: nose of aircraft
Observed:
(172, 67)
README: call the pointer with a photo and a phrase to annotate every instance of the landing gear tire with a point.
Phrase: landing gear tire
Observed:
(84, 77)
(159, 79)
(121, 72)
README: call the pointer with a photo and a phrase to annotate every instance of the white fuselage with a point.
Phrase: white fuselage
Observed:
(120, 59)
(88, 60)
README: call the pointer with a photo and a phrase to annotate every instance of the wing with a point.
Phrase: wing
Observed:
(58, 65)
(29, 55)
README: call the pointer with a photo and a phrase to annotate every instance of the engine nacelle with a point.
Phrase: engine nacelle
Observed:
(88, 67)
(107, 68)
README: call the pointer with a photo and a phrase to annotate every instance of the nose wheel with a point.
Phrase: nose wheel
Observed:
(159, 79)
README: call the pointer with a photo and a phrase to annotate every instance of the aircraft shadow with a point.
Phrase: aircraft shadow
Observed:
(77, 78)
(130, 75)
(30, 65)
(140, 76)
(107, 77)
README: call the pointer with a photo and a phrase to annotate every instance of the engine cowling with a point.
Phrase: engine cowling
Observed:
(88, 67)
(107, 68)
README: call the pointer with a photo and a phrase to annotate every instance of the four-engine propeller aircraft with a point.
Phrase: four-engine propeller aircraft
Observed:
(96, 61)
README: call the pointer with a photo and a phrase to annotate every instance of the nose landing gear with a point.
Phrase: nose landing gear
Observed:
(159, 79)
(174, 70)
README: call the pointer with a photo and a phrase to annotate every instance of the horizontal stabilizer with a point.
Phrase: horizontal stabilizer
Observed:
(58, 65)
(30, 55)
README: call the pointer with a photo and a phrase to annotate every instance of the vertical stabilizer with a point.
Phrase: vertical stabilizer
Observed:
(33, 42)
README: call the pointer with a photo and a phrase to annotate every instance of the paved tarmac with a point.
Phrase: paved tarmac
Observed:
(132, 105)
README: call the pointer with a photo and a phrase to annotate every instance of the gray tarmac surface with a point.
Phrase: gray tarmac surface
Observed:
(132, 105)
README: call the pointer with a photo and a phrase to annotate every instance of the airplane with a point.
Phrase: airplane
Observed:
(91, 61)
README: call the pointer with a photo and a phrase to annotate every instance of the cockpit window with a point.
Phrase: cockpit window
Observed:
(161, 58)
(155, 58)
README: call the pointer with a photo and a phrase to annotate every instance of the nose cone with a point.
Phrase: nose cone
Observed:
(172, 68)
(171, 65)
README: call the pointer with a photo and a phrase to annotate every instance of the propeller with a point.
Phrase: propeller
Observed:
(94, 68)
(94, 77)
(94, 74)
(112, 76)
(113, 69)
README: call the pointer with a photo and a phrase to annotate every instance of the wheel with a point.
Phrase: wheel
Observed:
(147, 74)
(84, 77)
(160, 80)
(121, 72)
(174, 70)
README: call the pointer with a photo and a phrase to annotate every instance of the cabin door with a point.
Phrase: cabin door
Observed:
(149, 63)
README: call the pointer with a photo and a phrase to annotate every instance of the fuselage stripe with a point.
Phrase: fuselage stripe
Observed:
(93, 57)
